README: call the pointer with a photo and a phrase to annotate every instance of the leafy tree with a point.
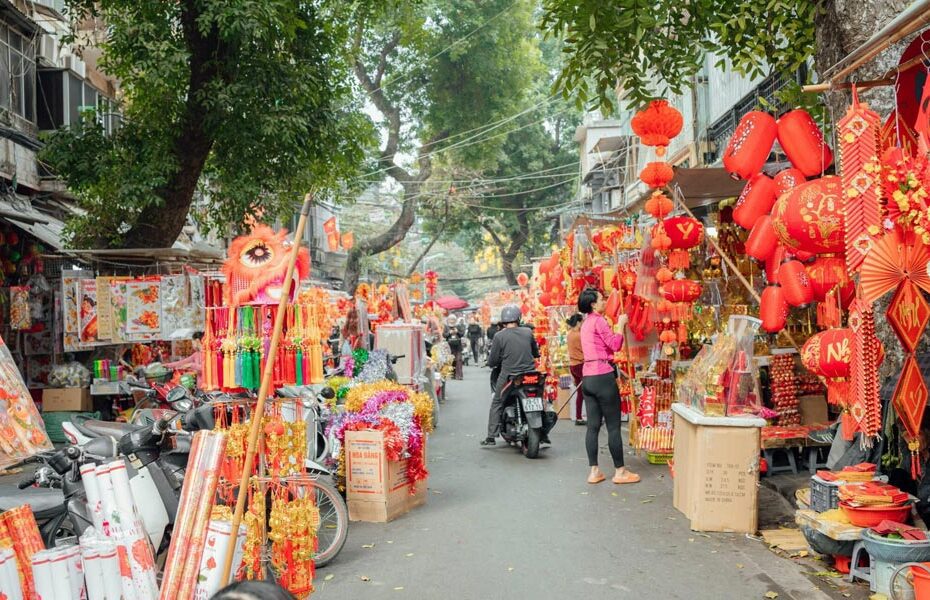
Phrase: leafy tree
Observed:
(245, 104)
(652, 48)
(435, 70)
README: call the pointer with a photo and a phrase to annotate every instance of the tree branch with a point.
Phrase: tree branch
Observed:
(384, 55)
(442, 228)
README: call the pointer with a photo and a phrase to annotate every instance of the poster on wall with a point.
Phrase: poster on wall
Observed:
(42, 342)
(71, 309)
(175, 313)
(143, 308)
(88, 311)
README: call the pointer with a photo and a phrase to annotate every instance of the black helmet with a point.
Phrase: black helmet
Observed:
(511, 314)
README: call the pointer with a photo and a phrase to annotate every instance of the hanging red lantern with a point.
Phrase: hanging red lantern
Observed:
(828, 354)
(522, 279)
(685, 232)
(762, 241)
(681, 290)
(773, 263)
(658, 205)
(756, 200)
(628, 281)
(657, 174)
(612, 308)
(664, 274)
(802, 140)
(545, 299)
(787, 180)
(773, 309)
(795, 283)
(810, 217)
(827, 273)
(661, 241)
(750, 145)
(657, 124)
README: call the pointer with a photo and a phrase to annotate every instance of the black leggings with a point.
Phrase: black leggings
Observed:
(602, 401)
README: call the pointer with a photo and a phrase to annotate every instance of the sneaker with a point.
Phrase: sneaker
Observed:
(488, 442)
(822, 436)
(580, 422)
(545, 440)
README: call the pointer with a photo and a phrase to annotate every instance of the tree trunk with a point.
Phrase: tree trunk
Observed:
(509, 255)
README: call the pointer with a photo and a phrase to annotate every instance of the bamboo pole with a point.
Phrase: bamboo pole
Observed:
(819, 88)
(265, 385)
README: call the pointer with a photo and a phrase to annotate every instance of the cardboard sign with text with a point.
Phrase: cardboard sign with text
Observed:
(377, 489)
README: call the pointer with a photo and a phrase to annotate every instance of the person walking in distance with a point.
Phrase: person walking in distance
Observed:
(599, 385)
(474, 334)
(576, 362)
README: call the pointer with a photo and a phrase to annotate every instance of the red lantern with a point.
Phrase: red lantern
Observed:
(664, 274)
(658, 205)
(810, 217)
(828, 354)
(803, 142)
(685, 232)
(773, 309)
(681, 290)
(773, 263)
(761, 242)
(795, 283)
(756, 200)
(750, 145)
(612, 308)
(657, 174)
(787, 180)
(657, 124)
(827, 273)
(522, 279)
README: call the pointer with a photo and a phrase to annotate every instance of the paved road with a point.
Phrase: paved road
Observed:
(499, 526)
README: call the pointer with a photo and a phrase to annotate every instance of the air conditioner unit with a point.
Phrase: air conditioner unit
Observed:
(77, 65)
(48, 49)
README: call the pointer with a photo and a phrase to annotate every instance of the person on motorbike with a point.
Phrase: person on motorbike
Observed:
(514, 350)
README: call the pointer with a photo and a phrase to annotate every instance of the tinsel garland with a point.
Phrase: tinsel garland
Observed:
(359, 358)
(375, 368)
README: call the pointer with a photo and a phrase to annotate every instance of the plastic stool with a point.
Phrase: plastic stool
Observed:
(857, 572)
(813, 459)
(790, 467)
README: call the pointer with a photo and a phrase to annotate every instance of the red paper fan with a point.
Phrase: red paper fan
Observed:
(895, 257)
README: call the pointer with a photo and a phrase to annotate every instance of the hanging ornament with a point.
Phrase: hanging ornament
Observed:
(810, 217)
(681, 290)
(774, 262)
(795, 283)
(802, 141)
(895, 257)
(657, 174)
(755, 201)
(657, 124)
(684, 232)
(828, 273)
(750, 145)
(865, 403)
(910, 400)
(827, 354)
(908, 314)
(773, 310)
(787, 180)
(522, 279)
(762, 241)
(658, 205)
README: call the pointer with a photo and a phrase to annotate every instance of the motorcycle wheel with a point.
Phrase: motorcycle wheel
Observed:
(334, 522)
(531, 444)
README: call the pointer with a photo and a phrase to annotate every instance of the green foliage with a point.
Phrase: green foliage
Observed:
(649, 49)
(245, 101)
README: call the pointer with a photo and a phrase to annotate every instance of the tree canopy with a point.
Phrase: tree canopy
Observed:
(649, 49)
(243, 104)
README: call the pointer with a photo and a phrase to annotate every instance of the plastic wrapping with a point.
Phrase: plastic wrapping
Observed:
(22, 433)
(19, 526)
(219, 536)
(9, 575)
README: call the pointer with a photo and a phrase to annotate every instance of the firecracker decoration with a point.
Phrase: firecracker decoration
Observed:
(858, 133)
(432, 282)
(784, 386)
(865, 405)
(657, 124)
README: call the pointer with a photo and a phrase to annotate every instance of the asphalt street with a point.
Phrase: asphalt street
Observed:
(500, 526)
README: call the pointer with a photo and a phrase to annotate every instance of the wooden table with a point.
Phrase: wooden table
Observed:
(841, 532)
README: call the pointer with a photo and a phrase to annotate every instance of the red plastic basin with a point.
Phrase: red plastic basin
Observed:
(870, 516)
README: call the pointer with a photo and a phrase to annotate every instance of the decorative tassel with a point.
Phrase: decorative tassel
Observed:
(679, 260)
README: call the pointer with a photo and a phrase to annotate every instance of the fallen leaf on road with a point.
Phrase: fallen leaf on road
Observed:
(876, 596)
(510, 568)
(364, 577)
(771, 595)
(436, 492)
(368, 545)
(739, 566)
(614, 494)
(690, 539)
(584, 493)
(803, 553)
(397, 589)
(646, 501)
(329, 577)
(409, 554)
(828, 574)
(713, 552)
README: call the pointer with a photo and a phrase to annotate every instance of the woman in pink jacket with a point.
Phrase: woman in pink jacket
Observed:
(599, 385)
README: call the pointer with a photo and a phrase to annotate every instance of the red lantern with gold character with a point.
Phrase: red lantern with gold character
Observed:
(795, 283)
(810, 217)
(827, 273)
(750, 145)
(657, 174)
(657, 124)
(755, 201)
(773, 309)
(803, 142)
(828, 354)
(685, 232)
(681, 290)
(762, 241)
(787, 180)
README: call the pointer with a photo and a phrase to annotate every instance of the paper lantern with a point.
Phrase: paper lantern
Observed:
(773, 309)
(348, 240)
(828, 354)
(827, 273)
(657, 174)
(756, 200)
(657, 124)
(612, 308)
(787, 180)
(658, 205)
(795, 283)
(685, 232)
(522, 279)
(762, 241)
(544, 299)
(750, 145)
(810, 217)
(681, 290)
(803, 143)
(773, 263)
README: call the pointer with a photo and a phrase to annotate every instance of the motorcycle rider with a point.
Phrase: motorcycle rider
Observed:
(513, 350)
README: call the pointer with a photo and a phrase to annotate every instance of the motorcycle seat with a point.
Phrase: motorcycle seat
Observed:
(39, 499)
(108, 428)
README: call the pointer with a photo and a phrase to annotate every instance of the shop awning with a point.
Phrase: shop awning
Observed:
(700, 187)
(20, 211)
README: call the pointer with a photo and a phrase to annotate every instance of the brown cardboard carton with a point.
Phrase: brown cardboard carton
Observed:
(377, 489)
(66, 399)
(564, 404)
(813, 410)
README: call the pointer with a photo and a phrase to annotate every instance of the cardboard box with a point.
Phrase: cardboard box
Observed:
(66, 399)
(813, 410)
(377, 489)
(562, 399)
(716, 472)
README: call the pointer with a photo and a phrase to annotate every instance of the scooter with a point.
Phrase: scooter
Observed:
(524, 421)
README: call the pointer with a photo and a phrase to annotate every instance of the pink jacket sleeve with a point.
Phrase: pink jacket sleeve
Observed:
(613, 341)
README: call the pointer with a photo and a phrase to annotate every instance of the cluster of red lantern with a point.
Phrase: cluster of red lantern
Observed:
(790, 219)
(432, 282)
(552, 281)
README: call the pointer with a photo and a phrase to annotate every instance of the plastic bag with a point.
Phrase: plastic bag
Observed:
(72, 374)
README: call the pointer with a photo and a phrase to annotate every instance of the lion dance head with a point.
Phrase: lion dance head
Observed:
(256, 266)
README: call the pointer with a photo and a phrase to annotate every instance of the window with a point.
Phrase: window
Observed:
(17, 73)
(64, 96)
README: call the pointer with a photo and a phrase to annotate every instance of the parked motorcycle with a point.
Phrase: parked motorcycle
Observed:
(524, 420)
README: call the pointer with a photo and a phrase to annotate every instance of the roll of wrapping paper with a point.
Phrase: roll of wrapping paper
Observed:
(41, 573)
(107, 497)
(21, 526)
(75, 572)
(60, 574)
(9, 575)
(197, 498)
(215, 448)
(92, 491)
(219, 536)
(93, 574)
(109, 565)
(132, 533)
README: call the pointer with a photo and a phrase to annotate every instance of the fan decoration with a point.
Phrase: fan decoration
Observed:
(865, 405)
(859, 132)
(896, 257)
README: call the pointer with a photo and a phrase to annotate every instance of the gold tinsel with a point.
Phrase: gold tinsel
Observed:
(359, 395)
